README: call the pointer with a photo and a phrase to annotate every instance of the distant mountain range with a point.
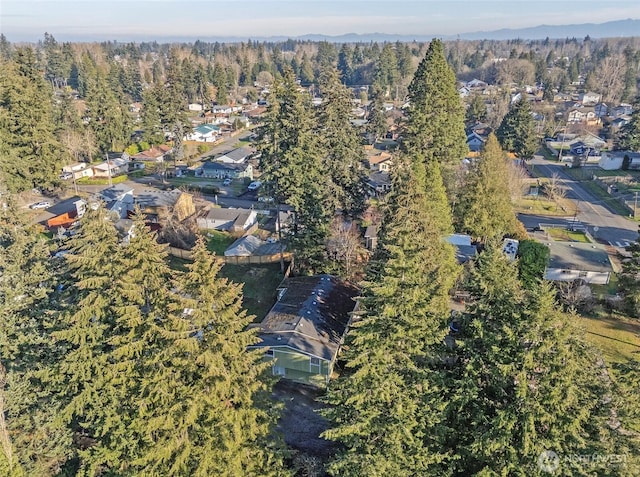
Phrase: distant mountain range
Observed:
(613, 29)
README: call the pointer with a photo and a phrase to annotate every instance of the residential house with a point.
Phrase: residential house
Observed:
(79, 170)
(371, 237)
(589, 98)
(613, 160)
(195, 107)
(464, 92)
(569, 261)
(237, 156)
(221, 170)
(476, 84)
(63, 214)
(380, 161)
(475, 142)
(623, 109)
(204, 133)
(601, 110)
(154, 154)
(576, 116)
(118, 200)
(303, 332)
(160, 206)
(229, 220)
(379, 183)
(620, 121)
(111, 167)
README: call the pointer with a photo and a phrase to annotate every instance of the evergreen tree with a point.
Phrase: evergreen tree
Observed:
(435, 123)
(517, 131)
(386, 407)
(340, 145)
(151, 120)
(629, 279)
(524, 382)
(477, 110)
(31, 156)
(292, 167)
(376, 120)
(31, 441)
(630, 132)
(109, 117)
(484, 209)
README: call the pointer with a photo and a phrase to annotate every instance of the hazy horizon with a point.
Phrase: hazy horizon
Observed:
(136, 20)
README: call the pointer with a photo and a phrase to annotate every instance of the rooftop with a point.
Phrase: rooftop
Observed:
(311, 315)
(586, 257)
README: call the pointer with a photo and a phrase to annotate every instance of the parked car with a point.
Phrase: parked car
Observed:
(40, 205)
(66, 175)
(265, 199)
(255, 185)
(227, 181)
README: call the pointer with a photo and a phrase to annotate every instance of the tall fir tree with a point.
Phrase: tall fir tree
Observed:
(435, 119)
(517, 131)
(630, 132)
(484, 208)
(109, 117)
(340, 145)
(31, 440)
(386, 407)
(32, 157)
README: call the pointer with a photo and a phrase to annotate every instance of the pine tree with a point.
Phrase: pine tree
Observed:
(376, 120)
(517, 131)
(435, 123)
(386, 408)
(340, 145)
(484, 209)
(109, 118)
(151, 121)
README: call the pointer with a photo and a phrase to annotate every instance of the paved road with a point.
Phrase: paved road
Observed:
(602, 222)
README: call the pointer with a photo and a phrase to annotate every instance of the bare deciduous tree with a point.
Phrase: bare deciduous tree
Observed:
(344, 243)
(517, 180)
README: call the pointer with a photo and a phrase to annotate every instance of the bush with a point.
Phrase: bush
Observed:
(102, 181)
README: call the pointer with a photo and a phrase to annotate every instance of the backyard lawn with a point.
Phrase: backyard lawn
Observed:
(259, 290)
(218, 242)
(617, 337)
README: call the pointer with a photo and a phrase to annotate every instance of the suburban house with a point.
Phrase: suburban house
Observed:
(159, 206)
(118, 200)
(570, 261)
(154, 154)
(204, 133)
(303, 332)
(237, 156)
(623, 109)
(601, 110)
(613, 161)
(379, 183)
(111, 167)
(236, 221)
(620, 121)
(195, 107)
(475, 142)
(221, 170)
(63, 214)
(371, 237)
(381, 161)
(79, 170)
(589, 98)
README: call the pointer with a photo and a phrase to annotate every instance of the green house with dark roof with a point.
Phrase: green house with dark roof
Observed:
(304, 330)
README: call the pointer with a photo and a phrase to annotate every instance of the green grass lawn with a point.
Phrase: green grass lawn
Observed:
(605, 198)
(259, 290)
(542, 206)
(617, 337)
(218, 242)
(567, 235)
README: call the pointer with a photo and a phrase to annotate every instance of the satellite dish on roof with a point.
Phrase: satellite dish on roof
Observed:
(596, 228)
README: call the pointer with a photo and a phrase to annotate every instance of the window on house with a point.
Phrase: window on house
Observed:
(314, 364)
(582, 274)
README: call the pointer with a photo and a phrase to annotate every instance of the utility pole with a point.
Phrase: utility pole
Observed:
(635, 205)
(106, 154)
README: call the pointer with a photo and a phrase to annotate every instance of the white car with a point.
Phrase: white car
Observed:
(254, 185)
(265, 199)
(40, 205)
(66, 175)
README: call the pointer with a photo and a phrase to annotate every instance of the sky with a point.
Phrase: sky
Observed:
(27, 20)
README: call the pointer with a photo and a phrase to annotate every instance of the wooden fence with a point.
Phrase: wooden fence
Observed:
(251, 260)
